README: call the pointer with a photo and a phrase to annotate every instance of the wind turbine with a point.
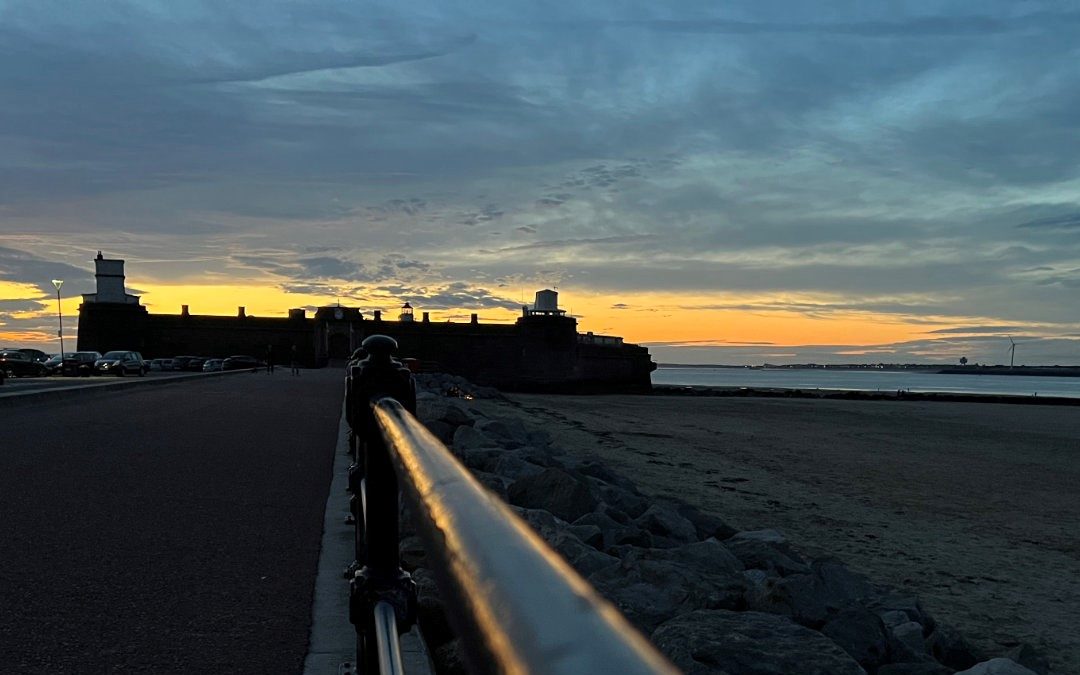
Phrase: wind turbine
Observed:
(1012, 351)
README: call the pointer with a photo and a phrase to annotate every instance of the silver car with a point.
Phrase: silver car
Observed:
(120, 364)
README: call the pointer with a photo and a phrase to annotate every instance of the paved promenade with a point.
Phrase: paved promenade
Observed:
(165, 529)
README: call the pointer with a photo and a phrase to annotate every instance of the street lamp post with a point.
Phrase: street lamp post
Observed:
(60, 312)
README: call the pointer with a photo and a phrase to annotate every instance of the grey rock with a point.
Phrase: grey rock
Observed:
(599, 519)
(493, 482)
(539, 438)
(450, 659)
(412, 553)
(920, 668)
(894, 617)
(538, 456)
(510, 465)
(468, 438)
(663, 521)
(481, 459)
(861, 634)
(580, 555)
(627, 536)
(949, 647)
(708, 557)
(768, 550)
(998, 666)
(811, 599)
(590, 534)
(429, 609)
(615, 514)
(749, 643)
(707, 525)
(457, 414)
(627, 501)
(441, 430)
(553, 490)
(1030, 658)
(509, 432)
(906, 642)
(649, 591)
(892, 600)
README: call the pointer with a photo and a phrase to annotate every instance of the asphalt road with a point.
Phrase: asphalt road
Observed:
(165, 529)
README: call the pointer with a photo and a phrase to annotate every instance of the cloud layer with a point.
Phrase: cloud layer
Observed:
(909, 161)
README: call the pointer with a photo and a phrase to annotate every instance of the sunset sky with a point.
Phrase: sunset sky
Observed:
(733, 182)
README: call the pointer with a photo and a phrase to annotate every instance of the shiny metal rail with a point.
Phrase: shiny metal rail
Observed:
(515, 604)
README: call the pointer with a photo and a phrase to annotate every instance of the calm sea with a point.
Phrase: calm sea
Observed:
(869, 380)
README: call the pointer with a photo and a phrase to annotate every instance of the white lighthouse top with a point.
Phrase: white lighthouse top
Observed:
(109, 275)
(547, 304)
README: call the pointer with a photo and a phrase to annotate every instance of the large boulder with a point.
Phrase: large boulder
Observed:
(893, 600)
(649, 590)
(767, 550)
(580, 555)
(906, 642)
(949, 647)
(811, 599)
(998, 666)
(511, 465)
(749, 643)
(707, 558)
(509, 432)
(920, 668)
(666, 522)
(441, 430)
(861, 634)
(553, 490)
(630, 502)
(707, 525)
(468, 438)
(1030, 658)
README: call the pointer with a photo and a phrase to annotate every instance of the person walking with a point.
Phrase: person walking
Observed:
(295, 362)
(270, 359)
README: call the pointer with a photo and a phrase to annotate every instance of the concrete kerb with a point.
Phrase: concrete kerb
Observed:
(332, 643)
(15, 398)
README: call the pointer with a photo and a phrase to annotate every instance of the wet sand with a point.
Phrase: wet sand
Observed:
(976, 506)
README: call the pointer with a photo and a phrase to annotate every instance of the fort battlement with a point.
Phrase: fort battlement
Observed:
(542, 350)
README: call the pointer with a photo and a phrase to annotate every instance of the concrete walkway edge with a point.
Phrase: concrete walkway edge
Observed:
(332, 645)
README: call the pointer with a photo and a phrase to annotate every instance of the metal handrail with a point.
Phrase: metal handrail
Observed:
(515, 604)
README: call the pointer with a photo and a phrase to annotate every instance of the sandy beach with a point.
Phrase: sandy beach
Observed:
(973, 505)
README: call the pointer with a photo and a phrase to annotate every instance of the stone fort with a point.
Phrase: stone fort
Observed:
(542, 350)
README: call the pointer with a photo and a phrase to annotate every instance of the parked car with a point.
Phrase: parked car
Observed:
(195, 364)
(79, 364)
(212, 365)
(240, 363)
(17, 364)
(180, 362)
(52, 365)
(120, 363)
(35, 355)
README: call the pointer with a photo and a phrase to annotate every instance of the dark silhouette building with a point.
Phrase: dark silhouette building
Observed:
(541, 351)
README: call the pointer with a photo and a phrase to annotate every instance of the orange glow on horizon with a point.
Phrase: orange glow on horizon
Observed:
(692, 319)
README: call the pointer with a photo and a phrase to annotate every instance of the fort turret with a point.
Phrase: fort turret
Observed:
(111, 318)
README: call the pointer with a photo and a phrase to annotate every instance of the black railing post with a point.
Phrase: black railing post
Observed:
(380, 578)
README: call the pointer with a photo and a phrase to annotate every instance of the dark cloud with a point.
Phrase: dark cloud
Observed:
(997, 330)
(20, 266)
(1065, 221)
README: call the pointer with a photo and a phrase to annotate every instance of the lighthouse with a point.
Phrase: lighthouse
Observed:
(406, 313)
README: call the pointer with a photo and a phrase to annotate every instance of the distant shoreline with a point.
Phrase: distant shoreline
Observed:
(856, 395)
(1030, 371)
